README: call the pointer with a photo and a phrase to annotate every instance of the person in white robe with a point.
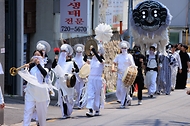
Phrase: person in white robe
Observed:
(78, 59)
(36, 97)
(122, 61)
(62, 67)
(45, 48)
(94, 84)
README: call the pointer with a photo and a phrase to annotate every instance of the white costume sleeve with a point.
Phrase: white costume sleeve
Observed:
(116, 59)
(1, 97)
(179, 61)
(131, 59)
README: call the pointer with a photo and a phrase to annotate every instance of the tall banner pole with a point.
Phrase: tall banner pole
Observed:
(130, 9)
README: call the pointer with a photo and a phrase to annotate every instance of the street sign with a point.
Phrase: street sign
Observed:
(73, 15)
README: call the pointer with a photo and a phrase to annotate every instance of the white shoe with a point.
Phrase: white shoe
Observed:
(89, 114)
(129, 102)
(139, 102)
(96, 113)
(122, 106)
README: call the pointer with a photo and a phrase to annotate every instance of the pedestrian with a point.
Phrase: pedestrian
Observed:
(78, 59)
(45, 48)
(151, 71)
(166, 63)
(182, 77)
(36, 96)
(63, 68)
(95, 82)
(122, 61)
(175, 69)
(140, 63)
(2, 104)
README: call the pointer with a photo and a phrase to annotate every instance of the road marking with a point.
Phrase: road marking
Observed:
(9, 107)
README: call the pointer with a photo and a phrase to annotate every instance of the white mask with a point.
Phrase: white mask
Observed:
(124, 51)
(151, 52)
(64, 54)
(78, 54)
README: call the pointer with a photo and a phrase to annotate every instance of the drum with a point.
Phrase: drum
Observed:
(84, 71)
(70, 80)
(129, 76)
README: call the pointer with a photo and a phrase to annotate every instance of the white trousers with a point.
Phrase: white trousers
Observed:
(151, 77)
(78, 86)
(122, 92)
(35, 116)
(41, 108)
(94, 91)
(65, 105)
(174, 71)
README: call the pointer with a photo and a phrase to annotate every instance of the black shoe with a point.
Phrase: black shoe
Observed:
(150, 96)
(89, 114)
(158, 92)
(118, 101)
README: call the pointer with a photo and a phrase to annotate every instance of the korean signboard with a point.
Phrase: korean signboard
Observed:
(73, 14)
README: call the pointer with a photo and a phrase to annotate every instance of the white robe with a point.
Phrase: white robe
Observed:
(36, 98)
(79, 81)
(65, 94)
(123, 61)
(94, 85)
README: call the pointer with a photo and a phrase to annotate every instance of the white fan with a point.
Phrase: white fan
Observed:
(103, 32)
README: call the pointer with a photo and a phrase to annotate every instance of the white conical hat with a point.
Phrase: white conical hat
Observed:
(41, 44)
(124, 44)
(67, 48)
(79, 46)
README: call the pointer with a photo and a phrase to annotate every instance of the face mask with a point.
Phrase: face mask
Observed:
(151, 52)
(64, 54)
(78, 54)
(123, 51)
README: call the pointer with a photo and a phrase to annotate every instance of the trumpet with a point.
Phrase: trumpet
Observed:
(13, 70)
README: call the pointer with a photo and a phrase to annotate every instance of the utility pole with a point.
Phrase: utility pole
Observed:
(2, 55)
(130, 9)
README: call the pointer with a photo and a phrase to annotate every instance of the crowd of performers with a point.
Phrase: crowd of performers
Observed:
(159, 73)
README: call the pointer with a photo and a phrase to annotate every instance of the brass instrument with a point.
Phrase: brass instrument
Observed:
(13, 70)
(89, 43)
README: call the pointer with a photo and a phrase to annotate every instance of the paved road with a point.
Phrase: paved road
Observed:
(162, 110)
